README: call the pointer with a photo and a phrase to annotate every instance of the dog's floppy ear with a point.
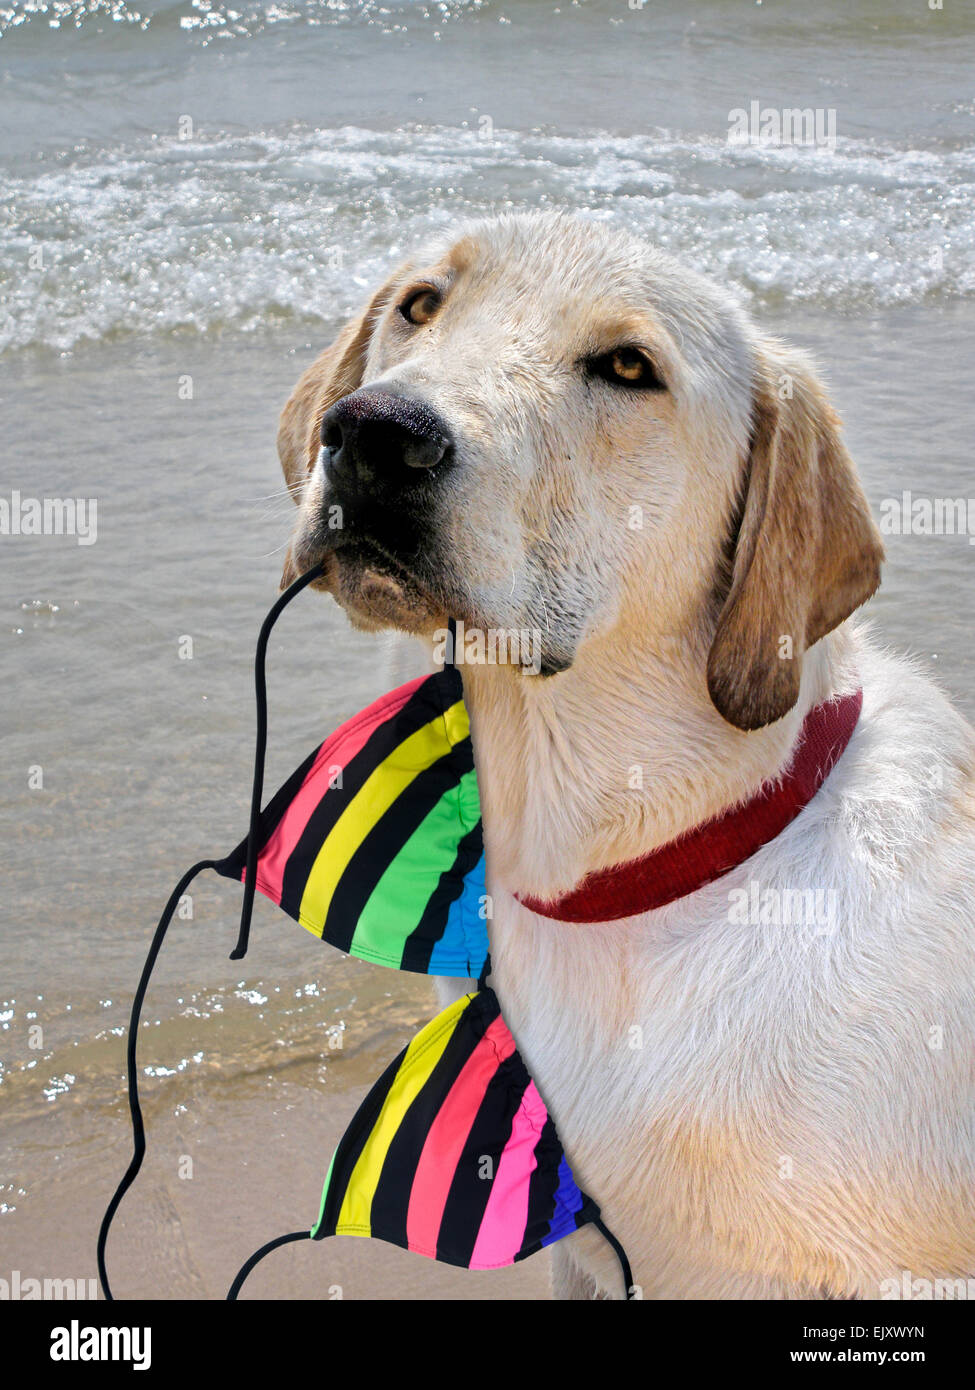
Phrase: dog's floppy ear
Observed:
(336, 372)
(807, 552)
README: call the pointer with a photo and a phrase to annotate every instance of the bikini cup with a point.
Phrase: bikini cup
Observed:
(374, 844)
(454, 1155)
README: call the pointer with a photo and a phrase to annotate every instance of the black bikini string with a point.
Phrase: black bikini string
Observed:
(135, 1110)
(258, 1255)
(607, 1234)
(257, 791)
(256, 1258)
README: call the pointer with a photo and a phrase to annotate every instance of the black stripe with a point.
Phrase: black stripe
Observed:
(234, 864)
(542, 1187)
(351, 1145)
(469, 1192)
(420, 943)
(424, 705)
(588, 1212)
(377, 850)
(391, 1201)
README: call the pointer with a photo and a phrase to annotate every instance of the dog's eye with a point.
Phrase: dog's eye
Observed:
(420, 306)
(629, 367)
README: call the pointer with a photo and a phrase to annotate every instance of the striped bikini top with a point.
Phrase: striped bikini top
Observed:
(375, 845)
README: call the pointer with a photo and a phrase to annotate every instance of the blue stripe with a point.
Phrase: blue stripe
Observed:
(463, 947)
(568, 1200)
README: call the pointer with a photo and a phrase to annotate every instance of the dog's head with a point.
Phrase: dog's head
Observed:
(545, 424)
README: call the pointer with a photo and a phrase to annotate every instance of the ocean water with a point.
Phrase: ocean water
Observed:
(199, 167)
(198, 193)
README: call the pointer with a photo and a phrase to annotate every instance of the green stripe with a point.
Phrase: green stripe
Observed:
(321, 1209)
(396, 904)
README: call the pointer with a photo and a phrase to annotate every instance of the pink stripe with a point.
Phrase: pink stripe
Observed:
(338, 750)
(503, 1224)
(447, 1136)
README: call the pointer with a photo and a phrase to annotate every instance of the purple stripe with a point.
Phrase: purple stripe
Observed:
(568, 1200)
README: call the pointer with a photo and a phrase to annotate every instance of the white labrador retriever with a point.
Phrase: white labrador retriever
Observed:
(546, 425)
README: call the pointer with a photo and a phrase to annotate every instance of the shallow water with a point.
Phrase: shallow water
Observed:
(325, 140)
(191, 169)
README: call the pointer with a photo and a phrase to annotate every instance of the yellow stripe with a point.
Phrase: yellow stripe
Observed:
(456, 723)
(422, 1055)
(374, 798)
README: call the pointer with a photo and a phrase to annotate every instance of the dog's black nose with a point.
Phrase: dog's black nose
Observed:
(374, 438)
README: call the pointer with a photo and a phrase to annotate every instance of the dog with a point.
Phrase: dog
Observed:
(544, 424)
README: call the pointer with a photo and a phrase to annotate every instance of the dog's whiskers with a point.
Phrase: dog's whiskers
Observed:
(290, 491)
(277, 549)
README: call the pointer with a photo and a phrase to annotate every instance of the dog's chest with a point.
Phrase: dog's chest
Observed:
(618, 1028)
(653, 1051)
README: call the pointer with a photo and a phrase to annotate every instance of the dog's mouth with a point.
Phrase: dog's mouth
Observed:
(376, 588)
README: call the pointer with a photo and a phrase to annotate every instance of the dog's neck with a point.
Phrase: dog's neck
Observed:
(616, 756)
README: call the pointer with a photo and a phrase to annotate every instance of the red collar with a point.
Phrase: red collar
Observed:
(705, 853)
